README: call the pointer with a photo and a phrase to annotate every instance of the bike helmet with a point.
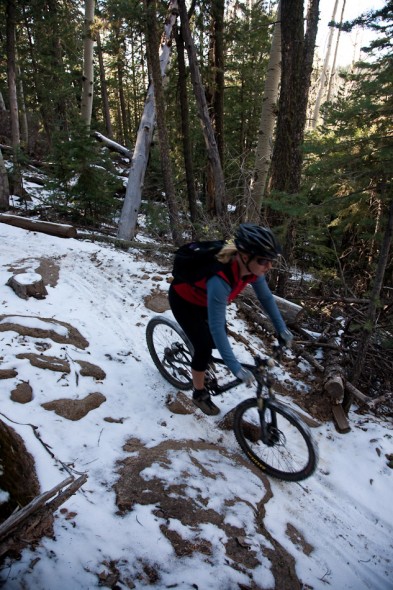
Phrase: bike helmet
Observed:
(257, 241)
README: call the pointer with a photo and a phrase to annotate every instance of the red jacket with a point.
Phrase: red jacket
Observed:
(197, 293)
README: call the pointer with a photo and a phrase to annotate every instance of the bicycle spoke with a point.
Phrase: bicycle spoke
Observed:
(286, 451)
(169, 351)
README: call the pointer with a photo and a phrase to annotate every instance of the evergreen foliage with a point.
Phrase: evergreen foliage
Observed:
(348, 173)
(83, 180)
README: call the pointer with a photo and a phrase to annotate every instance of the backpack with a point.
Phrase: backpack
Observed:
(197, 260)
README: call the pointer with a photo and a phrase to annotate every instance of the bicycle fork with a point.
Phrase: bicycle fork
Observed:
(268, 429)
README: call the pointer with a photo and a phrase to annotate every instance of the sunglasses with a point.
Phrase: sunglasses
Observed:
(263, 261)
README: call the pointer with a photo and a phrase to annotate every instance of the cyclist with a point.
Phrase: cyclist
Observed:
(200, 309)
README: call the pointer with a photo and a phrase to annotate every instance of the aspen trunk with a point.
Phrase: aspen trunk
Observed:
(133, 197)
(324, 70)
(333, 70)
(88, 64)
(263, 152)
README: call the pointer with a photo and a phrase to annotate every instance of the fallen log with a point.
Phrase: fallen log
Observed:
(34, 520)
(334, 378)
(113, 145)
(291, 312)
(46, 227)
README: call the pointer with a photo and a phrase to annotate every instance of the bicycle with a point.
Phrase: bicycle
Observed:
(271, 435)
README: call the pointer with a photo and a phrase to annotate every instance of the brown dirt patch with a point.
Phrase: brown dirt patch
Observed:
(75, 409)
(48, 268)
(174, 503)
(73, 336)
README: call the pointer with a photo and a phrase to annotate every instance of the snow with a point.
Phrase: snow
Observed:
(343, 512)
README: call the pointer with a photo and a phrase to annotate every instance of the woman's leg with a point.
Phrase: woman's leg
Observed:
(193, 320)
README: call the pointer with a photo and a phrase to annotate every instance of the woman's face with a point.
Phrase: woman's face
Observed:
(257, 264)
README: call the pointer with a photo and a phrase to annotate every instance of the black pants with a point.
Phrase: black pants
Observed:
(193, 319)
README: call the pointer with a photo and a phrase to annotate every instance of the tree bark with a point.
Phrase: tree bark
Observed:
(297, 58)
(133, 197)
(322, 78)
(263, 152)
(4, 185)
(88, 64)
(333, 70)
(166, 165)
(203, 113)
(371, 315)
(46, 227)
(185, 127)
(104, 90)
(17, 186)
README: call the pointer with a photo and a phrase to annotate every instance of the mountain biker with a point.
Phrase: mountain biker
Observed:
(201, 310)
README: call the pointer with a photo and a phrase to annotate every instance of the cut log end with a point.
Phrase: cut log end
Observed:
(335, 387)
(28, 284)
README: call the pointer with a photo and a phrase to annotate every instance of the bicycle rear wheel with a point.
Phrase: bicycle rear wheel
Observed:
(289, 452)
(170, 350)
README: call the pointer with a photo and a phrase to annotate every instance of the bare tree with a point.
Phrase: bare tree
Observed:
(322, 78)
(203, 113)
(17, 187)
(333, 70)
(166, 165)
(104, 90)
(263, 152)
(133, 196)
(88, 64)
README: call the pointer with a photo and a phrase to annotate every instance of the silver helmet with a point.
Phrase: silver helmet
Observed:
(257, 241)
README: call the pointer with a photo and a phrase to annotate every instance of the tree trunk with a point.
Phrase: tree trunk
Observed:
(297, 58)
(333, 70)
(24, 128)
(203, 113)
(16, 177)
(214, 92)
(132, 200)
(371, 315)
(88, 64)
(185, 127)
(4, 186)
(263, 152)
(166, 165)
(45, 117)
(104, 90)
(322, 79)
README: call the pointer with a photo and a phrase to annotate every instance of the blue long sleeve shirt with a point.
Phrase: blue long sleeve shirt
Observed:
(217, 300)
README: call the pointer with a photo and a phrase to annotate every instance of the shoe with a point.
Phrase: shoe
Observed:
(202, 400)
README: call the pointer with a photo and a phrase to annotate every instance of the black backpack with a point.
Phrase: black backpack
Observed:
(196, 261)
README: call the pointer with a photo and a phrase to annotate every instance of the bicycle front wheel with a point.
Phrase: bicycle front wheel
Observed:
(170, 350)
(288, 451)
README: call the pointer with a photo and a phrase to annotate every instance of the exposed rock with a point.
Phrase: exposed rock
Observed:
(68, 336)
(157, 301)
(46, 362)
(180, 404)
(8, 373)
(22, 393)
(90, 370)
(75, 409)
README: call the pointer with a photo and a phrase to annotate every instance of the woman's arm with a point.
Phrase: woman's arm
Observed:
(269, 304)
(217, 299)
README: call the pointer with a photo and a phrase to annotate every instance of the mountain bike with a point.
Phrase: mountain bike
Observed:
(271, 435)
